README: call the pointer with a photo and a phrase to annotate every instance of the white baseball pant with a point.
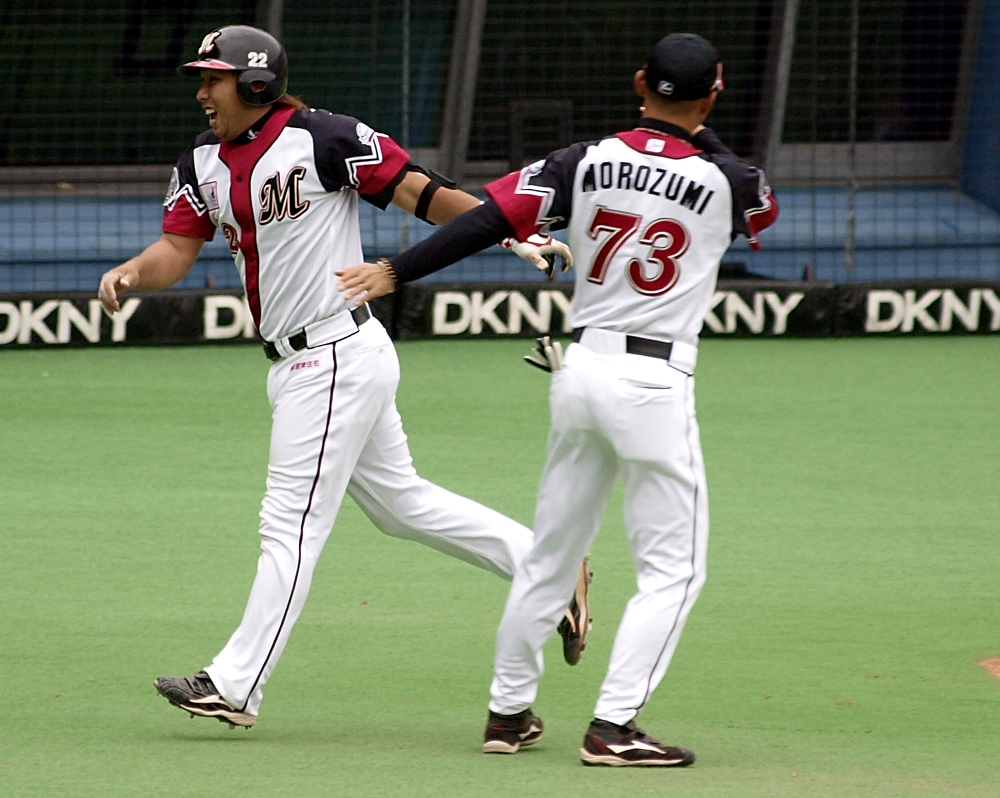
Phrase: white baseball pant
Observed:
(335, 429)
(611, 414)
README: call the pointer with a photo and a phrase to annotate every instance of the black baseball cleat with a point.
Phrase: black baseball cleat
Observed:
(197, 695)
(574, 627)
(505, 734)
(607, 743)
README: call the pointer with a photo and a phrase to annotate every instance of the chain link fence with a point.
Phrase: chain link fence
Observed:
(868, 116)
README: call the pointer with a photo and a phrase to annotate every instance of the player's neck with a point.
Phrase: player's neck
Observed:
(688, 122)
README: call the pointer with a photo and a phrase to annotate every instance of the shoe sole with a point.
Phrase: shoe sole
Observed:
(574, 644)
(232, 717)
(617, 762)
(500, 747)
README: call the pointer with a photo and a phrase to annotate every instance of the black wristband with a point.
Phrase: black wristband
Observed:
(424, 202)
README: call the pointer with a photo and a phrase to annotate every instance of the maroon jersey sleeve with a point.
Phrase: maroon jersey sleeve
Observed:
(539, 197)
(184, 209)
(349, 154)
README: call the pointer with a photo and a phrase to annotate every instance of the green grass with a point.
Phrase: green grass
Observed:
(853, 582)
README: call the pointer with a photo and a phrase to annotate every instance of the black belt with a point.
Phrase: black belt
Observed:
(298, 341)
(635, 345)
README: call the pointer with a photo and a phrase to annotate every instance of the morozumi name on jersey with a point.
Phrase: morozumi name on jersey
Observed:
(285, 195)
(649, 215)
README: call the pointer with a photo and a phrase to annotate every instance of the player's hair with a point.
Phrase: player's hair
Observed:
(292, 100)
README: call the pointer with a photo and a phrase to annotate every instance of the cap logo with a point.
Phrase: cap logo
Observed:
(208, 43)
(665, 87)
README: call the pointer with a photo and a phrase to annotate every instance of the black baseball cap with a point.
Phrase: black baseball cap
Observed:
(684, 66)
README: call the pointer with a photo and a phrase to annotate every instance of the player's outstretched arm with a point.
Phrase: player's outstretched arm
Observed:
(160, 265)
(444, 204)
(468, 233)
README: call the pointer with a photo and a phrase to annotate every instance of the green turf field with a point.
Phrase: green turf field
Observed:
(853, 582)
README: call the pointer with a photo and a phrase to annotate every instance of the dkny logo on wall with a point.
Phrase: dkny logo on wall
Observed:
(934, 310)
(423, 310)
(502, 312)
(165, 317)
(512, 312)
(225, 316)
(58, 321)
(765, 306)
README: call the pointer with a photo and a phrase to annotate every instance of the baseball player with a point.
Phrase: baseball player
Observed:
(282, 181)
(650, 212)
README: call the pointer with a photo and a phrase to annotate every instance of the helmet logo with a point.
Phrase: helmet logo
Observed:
(256, 59)
(208, 43)
(665, 87)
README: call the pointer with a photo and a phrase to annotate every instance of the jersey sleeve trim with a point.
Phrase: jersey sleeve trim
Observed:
(755, 208)
(185, 211)
(525, 206)
(762, 217)
(539, 198)
(370, 173)
(384, 195)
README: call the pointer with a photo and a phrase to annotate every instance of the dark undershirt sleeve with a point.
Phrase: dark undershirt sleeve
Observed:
(708, 141)
(464, 235)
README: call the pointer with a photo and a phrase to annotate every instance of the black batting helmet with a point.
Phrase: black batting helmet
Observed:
(255, 54)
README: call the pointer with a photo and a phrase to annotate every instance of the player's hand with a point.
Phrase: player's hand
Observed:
(363, 282)
(114, 283)
(547, 355)
(541, 252)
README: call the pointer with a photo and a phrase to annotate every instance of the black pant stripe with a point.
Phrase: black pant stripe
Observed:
(302, 531)
(687, 587)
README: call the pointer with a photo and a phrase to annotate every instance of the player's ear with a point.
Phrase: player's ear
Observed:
(708, 103)
(640, 83)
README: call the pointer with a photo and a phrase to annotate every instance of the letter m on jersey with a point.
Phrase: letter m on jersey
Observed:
(277, 201)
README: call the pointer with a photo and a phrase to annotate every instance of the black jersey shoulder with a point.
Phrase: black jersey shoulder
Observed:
(336, 137)
(749, 187)
(204, 139)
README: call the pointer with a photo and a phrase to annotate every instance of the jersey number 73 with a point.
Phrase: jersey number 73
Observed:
(668, 238)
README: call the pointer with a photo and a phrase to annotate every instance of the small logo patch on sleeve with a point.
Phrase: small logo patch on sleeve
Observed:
(210, 193)
(304, 364)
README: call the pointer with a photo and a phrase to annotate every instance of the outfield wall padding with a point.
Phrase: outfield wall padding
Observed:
(489, 310)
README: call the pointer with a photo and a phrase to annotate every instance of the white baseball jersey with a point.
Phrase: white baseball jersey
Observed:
(650, 216)
(285, 195)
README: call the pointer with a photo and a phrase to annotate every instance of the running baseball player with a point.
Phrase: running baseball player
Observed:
(650, 212)
(282, 181)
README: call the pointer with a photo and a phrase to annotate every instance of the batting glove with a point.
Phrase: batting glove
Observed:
(547, 355)
(541, 252)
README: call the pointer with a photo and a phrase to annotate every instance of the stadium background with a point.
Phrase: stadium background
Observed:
(852, 595)
(875, 120)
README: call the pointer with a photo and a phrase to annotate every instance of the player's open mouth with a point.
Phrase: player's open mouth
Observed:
(210, 113)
